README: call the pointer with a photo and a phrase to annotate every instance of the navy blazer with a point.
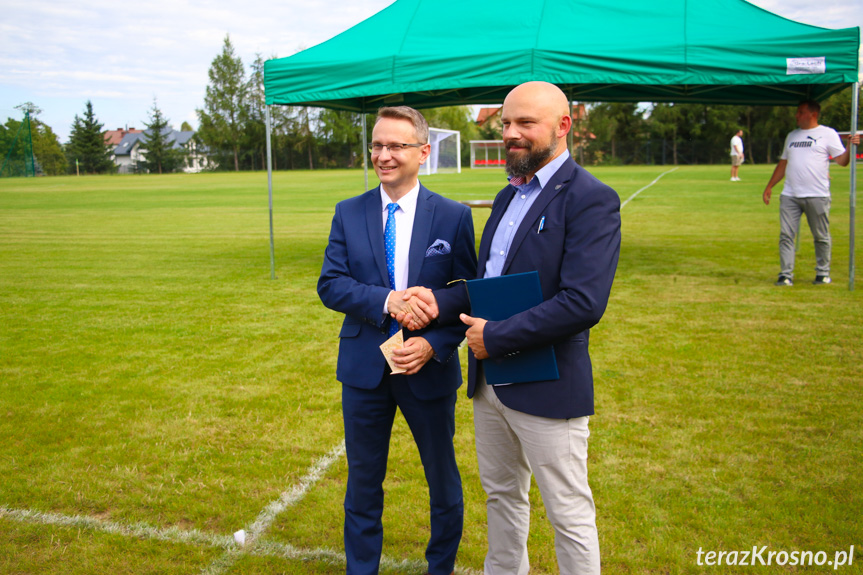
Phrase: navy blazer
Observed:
(354, 281)
(576, 256)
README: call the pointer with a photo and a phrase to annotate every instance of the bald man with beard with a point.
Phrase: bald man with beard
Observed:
(554, 218)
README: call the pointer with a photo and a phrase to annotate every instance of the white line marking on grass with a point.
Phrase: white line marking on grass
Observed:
(195, 537)
(137, 530)
(268, 515)
(645, 187)
(254, 545)
(293, 495)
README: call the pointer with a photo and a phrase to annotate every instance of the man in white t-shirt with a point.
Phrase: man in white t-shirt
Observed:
(736, 154)
(806, 163)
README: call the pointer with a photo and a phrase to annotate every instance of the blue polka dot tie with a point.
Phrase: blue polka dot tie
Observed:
(390, 248)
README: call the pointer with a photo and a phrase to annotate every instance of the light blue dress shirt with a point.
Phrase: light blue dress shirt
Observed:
(525, 196)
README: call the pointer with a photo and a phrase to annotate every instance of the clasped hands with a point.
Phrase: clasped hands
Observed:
(416, 307)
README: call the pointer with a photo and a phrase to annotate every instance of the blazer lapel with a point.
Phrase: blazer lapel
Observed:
(498, 209)
(552, 188)
(420, 235)
(374, 225)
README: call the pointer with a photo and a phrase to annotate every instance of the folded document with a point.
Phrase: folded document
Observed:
(500, 298)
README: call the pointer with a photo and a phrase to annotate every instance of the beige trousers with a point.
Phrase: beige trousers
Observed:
(511, 444)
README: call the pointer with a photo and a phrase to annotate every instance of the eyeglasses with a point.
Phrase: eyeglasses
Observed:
(393, 148)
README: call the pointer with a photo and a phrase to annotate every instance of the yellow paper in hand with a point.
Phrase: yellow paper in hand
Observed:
(387, 347)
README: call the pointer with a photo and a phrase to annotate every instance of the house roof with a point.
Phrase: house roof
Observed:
(485, 114)
(177, 138)
(579, 112)
(114, 137)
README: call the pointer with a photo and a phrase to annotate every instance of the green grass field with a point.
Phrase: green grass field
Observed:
(158, 391)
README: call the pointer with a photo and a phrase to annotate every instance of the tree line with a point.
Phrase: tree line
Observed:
(233, 135)
(86, 152)
(616, 133)
(610, 133)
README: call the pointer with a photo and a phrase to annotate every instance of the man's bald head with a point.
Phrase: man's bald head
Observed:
(536, 121)
(545, 97)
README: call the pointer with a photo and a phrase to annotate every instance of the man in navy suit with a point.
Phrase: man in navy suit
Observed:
(429, 241)
(556, 219)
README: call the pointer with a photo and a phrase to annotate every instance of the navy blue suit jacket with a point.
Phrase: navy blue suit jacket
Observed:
(354, 281)
(576, 256)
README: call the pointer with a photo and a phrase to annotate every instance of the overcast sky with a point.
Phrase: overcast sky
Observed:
(122, 55)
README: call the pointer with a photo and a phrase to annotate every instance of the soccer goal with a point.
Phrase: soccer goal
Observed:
(445, 154)
(487, 154)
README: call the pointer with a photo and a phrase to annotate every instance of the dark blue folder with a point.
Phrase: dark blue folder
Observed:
(500, 298)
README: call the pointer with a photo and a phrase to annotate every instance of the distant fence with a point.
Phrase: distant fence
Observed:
(626, 152)
(669, 152)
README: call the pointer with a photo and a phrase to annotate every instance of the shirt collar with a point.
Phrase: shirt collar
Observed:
(407, 203)
(547, 171)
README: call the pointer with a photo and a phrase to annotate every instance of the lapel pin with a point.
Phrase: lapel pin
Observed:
(557, 187)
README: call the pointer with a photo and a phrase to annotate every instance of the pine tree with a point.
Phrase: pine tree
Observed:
(87, 145)
(161, 156)
(255, 133)
(222, 121)
(341, 135)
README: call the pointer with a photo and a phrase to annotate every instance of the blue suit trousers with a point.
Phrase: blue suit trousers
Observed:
(368, 417)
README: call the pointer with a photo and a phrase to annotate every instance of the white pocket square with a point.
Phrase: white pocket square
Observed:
(438, 248)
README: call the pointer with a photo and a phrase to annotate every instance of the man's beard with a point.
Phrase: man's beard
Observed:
(523, 165)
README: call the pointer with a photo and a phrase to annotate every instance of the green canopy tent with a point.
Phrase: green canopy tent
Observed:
(429, 53)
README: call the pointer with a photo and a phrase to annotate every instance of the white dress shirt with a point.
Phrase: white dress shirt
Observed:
(404, 228)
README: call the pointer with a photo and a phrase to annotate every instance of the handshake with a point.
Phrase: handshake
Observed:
(416, 307)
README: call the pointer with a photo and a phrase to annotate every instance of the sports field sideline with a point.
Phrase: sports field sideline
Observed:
(159, 392)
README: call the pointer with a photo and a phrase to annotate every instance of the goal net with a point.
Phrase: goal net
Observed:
(445, 154)
(487, 154)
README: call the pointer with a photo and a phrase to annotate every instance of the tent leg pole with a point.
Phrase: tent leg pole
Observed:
(458, 147)
(852, 152)
(365, 147)
(270, 189)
